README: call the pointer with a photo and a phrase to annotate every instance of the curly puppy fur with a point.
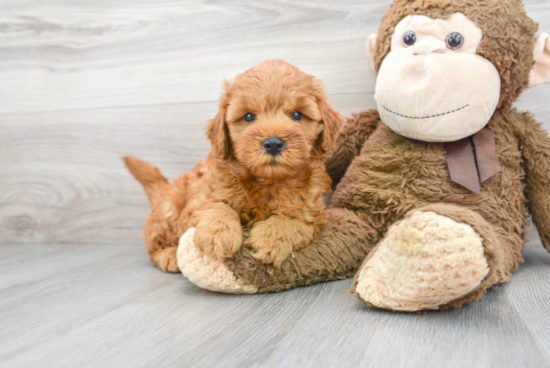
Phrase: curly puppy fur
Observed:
(278, 199)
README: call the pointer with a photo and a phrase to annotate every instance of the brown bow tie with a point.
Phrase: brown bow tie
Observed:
(470, 165)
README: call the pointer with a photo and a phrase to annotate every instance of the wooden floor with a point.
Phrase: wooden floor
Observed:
(106, 306)
(83, 82)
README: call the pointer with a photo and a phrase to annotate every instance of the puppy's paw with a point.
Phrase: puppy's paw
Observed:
(271, 243)
(218, 238)
(165, 259)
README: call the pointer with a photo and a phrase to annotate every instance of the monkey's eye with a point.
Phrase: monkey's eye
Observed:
(410, 38)
(297, 116)
(249, 117)
(454, 41)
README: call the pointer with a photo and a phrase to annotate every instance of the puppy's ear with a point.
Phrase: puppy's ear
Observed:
(217, 131)
(331, 124)
(218, 134)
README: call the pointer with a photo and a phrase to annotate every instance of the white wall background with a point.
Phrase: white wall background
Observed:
(83, 82)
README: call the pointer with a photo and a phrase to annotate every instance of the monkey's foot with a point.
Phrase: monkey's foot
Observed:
(207, 271)
(425, 261)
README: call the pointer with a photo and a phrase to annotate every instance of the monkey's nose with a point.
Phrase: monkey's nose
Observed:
(429, 47)
(273, 145)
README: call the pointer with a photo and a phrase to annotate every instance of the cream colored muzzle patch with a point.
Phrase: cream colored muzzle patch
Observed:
(425, 261)
(208, 272)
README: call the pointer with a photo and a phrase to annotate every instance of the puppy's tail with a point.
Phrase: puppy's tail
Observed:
(148, 175)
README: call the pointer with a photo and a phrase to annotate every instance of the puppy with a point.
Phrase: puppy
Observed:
(264, 172)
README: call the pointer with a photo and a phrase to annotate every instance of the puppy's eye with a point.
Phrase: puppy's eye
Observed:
(410, 38)
(454, 41)
(297, 116)
(249, 118)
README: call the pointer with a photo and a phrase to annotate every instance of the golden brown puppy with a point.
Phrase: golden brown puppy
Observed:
(264, 172)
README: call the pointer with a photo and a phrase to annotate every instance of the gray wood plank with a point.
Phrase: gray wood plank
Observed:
(20, 266)
(533, 281)
(73, 55)
(117, 310)
(69, 296)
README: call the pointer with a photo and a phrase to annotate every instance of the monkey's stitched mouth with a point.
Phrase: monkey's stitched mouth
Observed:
(425, 117)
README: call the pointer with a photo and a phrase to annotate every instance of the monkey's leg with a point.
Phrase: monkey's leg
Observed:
(336, 253)
(437, 257)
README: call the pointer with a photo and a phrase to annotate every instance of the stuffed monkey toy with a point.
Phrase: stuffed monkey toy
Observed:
(435, 185)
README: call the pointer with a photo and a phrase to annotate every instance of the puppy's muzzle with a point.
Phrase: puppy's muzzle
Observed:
(273, 145)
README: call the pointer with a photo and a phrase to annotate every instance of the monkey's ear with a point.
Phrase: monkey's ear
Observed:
(540, 72)
(371, 46)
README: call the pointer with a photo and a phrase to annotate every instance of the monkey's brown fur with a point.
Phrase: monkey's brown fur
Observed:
(280, 198)
(388, 177)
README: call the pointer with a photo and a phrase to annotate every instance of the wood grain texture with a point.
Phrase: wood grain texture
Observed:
(82, 83)
(107, 306)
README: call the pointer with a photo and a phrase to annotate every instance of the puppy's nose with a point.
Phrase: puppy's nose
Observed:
(273, 145)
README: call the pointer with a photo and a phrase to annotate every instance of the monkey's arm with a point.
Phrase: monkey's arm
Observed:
(536, 155)
(353, 135)
(336, 253)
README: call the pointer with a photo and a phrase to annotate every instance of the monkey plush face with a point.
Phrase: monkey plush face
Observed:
(445, 67)
(432, 85)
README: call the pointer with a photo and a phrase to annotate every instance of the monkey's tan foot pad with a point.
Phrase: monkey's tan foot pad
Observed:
(424, 262)
(208, 272)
